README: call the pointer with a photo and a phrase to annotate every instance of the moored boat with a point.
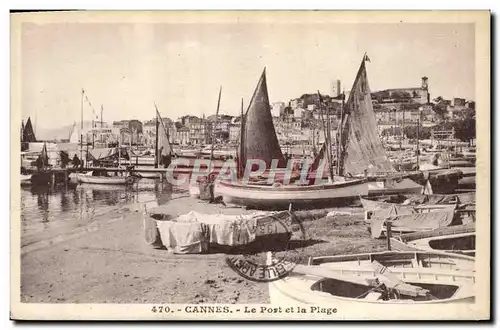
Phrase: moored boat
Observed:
(360, 153)
(94, 179)
(388, 278)
(25, 179)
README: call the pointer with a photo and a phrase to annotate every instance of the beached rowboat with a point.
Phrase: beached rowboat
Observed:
(454, 239)
(378, 278)
(280, 196)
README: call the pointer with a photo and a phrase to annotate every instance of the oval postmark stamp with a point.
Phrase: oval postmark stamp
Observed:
(278, 238)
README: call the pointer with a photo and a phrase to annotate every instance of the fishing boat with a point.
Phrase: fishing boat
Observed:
(89, 177)
(390, 278)
(461, 199)
(360, 154)
(147, 175)
(454, 239)
(25, 179)
(394, 206)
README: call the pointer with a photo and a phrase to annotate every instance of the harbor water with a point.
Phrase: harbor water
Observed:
(48, 212)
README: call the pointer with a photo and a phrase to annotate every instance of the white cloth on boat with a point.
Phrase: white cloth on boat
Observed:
(191, 232)
(228, 230)
(183, 237)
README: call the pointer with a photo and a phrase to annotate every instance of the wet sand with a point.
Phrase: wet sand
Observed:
(111, 263)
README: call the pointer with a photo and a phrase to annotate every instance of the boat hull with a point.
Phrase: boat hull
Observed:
(280, 197)
(418, 268)
(286, 293)
(105, 180)
(25, 180)
(455, 239)
(307, 196)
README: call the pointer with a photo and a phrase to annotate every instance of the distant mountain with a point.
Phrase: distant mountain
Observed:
(59, 133)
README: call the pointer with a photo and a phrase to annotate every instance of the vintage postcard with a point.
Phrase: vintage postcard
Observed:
(250, 165)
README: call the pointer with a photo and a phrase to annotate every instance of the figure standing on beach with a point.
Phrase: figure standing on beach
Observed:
(165, 160)
(76, 161)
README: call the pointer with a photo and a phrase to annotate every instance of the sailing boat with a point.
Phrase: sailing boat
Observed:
(73, 138)
(162, 147)
(361, 153)
(42, 175)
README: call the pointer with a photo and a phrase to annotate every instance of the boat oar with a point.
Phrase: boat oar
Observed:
(384, 277)
(391, 280)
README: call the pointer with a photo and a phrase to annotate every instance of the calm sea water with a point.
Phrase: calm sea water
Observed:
(67, 207)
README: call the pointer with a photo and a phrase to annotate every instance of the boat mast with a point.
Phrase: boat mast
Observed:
(240, 156)
(339, 134)
(81, 126)
(403, 129)
(156, 143)
(213, 132)
(327, 137)
(418, 142)
(329, 132)
(120, 149)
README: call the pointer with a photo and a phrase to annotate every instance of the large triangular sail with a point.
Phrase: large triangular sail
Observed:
(73, 138)
(164, 147)
(28, 132)
(361, 148)
(259, 140)
(44, 156)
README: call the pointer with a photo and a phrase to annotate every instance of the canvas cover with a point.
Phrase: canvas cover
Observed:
(193, 231)
(437, 199)
(412, 221)
(183, 237)
(102, 153)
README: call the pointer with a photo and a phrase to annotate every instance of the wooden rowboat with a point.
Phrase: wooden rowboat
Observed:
(89, 178)
(454, 239)
(355, 280)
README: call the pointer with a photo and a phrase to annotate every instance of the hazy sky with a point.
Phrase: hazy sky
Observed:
(127, 67)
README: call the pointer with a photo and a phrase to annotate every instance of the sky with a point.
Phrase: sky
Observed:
(128, 67)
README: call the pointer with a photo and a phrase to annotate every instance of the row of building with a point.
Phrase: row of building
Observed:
(300, 120)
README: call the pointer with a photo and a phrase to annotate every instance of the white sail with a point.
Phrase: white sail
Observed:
(73, 138)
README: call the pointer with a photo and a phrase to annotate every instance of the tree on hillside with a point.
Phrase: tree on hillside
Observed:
(439, 106)
(400, 95)
(465, 130)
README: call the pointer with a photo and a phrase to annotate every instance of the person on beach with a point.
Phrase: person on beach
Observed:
(165, 160)
(76, 161)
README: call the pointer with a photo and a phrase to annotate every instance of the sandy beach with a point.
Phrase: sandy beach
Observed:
(110, 262)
